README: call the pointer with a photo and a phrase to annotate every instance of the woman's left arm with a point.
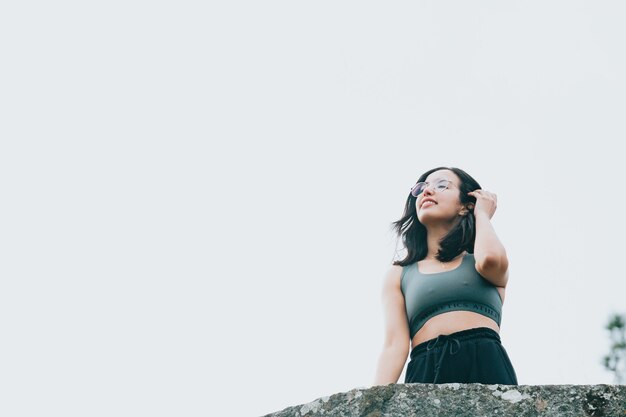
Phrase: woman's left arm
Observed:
(489, 253)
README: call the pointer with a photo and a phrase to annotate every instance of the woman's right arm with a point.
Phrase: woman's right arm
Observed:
(397, 341)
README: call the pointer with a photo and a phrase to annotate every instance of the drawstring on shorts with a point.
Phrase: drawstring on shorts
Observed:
(446, 338)
(453, 341)
(487, 364)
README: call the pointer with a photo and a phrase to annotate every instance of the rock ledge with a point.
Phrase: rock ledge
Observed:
(476, 400)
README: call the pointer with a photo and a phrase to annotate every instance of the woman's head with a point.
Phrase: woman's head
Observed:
(453, 209)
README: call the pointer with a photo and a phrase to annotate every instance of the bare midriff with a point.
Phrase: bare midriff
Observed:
(451, 322)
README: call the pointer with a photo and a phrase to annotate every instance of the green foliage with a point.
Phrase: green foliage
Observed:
(615, 361)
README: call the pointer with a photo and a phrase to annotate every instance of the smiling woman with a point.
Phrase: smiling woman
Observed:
(444, 299)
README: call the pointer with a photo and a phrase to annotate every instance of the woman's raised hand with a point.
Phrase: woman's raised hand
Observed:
(486, 202)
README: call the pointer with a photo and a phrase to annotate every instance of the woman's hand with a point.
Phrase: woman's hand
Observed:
(486, 202)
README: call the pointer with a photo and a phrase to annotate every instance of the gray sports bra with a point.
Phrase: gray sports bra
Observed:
(463, 288)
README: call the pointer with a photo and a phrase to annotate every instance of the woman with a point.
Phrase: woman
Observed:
(446, 295)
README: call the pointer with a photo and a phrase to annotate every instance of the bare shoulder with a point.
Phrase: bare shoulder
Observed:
(392, 281)
(393, 275)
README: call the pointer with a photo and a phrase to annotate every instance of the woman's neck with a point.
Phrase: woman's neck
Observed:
(433, 237)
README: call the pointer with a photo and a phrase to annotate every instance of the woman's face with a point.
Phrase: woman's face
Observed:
(447, 206)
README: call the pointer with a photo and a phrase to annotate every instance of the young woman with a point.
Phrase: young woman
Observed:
(445, 297)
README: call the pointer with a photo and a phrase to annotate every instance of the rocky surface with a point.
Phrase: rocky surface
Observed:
(476, 400)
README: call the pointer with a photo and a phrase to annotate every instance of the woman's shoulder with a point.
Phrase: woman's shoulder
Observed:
(392, 281)
(394, 274)
(394, 271)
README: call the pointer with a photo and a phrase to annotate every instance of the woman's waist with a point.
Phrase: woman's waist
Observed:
(453, 322)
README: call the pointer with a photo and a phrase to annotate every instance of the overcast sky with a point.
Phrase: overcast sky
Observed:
(197, 198)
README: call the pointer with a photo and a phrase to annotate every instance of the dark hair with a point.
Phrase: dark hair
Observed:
(461, 237)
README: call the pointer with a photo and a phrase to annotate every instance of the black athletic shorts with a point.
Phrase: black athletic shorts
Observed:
(468, 356)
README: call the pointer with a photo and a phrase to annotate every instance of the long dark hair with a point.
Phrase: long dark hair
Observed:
(461, 237)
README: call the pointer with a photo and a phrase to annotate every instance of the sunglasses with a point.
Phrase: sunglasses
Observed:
(438, 186)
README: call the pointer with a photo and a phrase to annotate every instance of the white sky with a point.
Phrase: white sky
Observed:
(198, 198)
